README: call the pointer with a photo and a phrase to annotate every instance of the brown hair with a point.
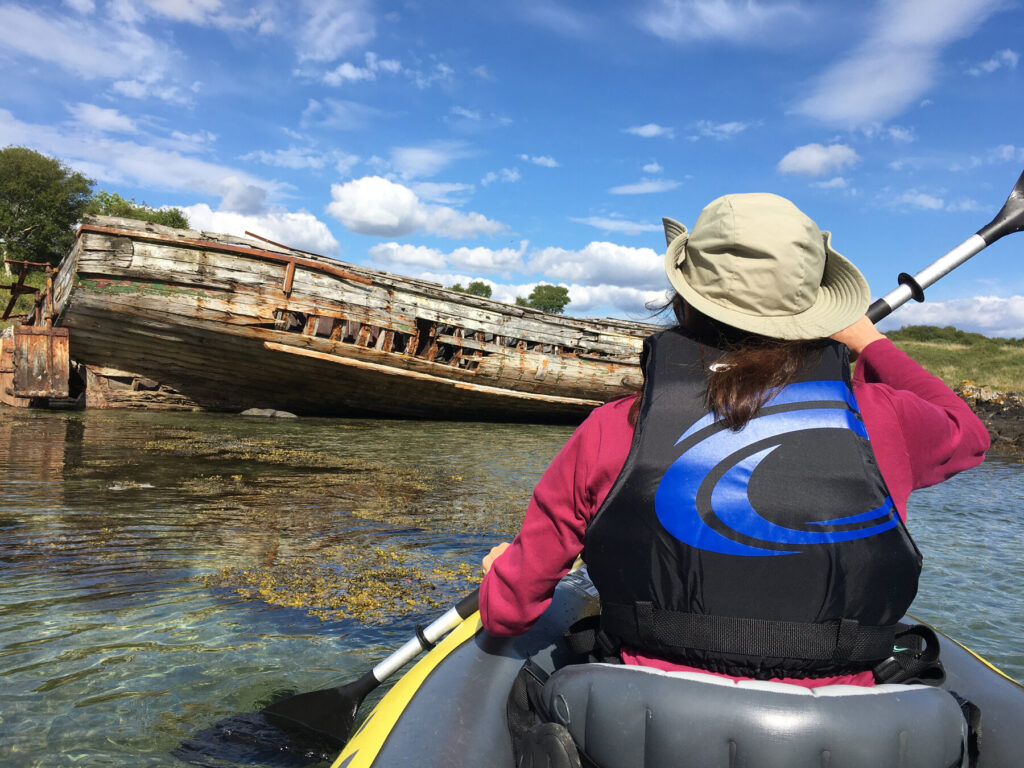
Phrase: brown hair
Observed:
(750, 371)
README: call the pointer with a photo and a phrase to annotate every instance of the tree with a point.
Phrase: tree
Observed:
(476, 288)
(547, 298)
(112, 204)
(41, 200)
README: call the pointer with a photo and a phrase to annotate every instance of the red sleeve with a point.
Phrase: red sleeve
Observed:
(519, 586)
(921, 432)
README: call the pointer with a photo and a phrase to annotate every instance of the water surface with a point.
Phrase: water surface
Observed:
(161, 572)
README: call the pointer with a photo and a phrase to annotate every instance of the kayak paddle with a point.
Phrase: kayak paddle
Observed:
(330, 712)
(1009, 219)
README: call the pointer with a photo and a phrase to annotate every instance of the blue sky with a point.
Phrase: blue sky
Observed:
(519, 142)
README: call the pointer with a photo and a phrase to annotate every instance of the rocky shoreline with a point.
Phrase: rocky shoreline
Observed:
(1003, 415)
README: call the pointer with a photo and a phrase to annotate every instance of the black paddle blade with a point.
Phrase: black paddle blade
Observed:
(328, 713)
(1010, 218)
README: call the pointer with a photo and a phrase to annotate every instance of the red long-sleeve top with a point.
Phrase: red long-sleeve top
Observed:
(920, 431)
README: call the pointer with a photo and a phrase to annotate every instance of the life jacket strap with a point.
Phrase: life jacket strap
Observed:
(836, 641)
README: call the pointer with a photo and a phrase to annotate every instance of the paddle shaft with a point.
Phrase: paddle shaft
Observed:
(1009, 219)
(427, 636)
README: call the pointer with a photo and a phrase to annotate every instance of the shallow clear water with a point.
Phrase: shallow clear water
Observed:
(129, 541)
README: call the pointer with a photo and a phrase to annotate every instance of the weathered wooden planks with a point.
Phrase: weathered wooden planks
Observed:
(226, 323)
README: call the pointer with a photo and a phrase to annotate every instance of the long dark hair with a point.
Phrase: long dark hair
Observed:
(751, 370)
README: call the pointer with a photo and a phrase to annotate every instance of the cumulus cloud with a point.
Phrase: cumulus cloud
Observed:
(374, 205)
(614, 224)
(1005, 58)
(990, 315)
(896, 64)
(441, 192)
(101, 118)
(645, 187)
(652, 167)
(543, 160)
(475, 260)
(817, 160)
(299, 229)
(746, 21)
(602, 263)
(650, 131)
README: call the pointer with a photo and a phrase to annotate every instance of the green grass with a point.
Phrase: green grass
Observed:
(956, 356)
(35, 278)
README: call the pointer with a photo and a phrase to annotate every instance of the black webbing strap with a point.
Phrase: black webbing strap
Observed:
(843, 640)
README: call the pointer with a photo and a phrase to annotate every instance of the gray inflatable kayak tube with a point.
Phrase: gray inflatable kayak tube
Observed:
(449, 710)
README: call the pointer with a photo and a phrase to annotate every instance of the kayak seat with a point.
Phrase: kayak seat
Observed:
(638, 717)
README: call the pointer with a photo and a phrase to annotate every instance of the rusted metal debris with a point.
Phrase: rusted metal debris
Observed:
(230, 323)
(34, 360)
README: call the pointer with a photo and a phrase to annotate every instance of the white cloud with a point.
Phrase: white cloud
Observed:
(340, 114)
(415, 162)
(613, 224)
(914, 198)
(476, 260)
(652, 167)
(990, 315)
(328, 29)
(118, 161)
(376, 206)
(297, 158)
(900, 134)
(817, 160)
(897, 63)
(300, 229)
(720, 131)
(483, 73)
(645, 187)
(746, 21)
(507, 175)
(439, 192)
(624, 301)
(82, 6)
(469, 114)
(101, 118)
(837, 182)
(650, 131)
(85, 48)
(440, 73)
(350, 73)
(543, 160)
(1007, 153)
(1005, 58)
(602, 263)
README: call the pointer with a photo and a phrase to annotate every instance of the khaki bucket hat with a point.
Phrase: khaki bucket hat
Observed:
(758, 263)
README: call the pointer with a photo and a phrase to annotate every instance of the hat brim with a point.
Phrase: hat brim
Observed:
(843, 298)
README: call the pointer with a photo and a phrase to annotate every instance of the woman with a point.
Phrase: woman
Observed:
(745, 514)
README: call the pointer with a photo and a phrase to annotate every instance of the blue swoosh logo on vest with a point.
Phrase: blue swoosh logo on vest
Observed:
(675, 499)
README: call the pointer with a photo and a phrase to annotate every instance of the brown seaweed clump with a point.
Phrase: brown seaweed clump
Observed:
(369, 584)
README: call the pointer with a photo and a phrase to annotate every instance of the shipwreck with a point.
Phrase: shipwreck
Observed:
(167, 318)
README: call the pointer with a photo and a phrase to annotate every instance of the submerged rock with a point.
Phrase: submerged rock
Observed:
(268, 413)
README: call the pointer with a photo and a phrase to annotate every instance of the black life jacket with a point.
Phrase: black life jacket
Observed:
(771, 551)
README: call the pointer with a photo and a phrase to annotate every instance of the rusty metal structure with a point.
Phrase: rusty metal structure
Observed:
(163, 317)
(34, 362)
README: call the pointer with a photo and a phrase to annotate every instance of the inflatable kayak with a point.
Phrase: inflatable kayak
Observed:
(449, 709)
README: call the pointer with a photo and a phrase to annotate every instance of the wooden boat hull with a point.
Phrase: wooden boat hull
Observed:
(225, 326)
